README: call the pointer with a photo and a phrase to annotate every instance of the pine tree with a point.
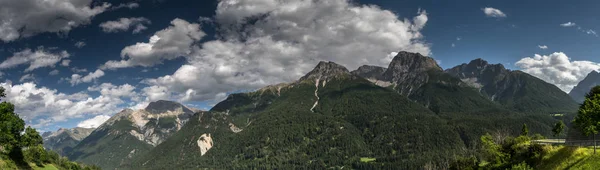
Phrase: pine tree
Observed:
(524, 130)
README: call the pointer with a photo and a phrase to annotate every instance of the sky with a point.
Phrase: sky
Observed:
(75, 63)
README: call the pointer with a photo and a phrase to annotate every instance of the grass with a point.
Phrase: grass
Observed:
(46, 167)
(569, 157)
(367, 159)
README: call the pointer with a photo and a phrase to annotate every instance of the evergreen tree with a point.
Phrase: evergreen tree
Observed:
(558, 128)
(524, 130)
(588, 116)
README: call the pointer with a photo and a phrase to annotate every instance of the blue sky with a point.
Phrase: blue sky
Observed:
(205, 50)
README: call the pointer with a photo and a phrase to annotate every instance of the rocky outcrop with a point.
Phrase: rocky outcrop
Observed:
(583, 87)
(205, 143)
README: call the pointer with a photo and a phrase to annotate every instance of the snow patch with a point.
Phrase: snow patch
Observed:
(205, 142)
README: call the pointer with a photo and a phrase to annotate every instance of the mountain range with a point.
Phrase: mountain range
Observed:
(409, 115)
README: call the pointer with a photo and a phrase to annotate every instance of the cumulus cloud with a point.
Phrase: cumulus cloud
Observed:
(25, 18)
(493, 12)
(108, 89)
(172, 42)
(35, 59)
(80, 44)
(568, 24)
(558, 69)
(543, 47)
(33, 103)
(93, 122)
(123, 24)
(77, 79)
(267, 42)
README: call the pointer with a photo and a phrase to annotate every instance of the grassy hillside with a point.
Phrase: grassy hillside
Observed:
(569, 157)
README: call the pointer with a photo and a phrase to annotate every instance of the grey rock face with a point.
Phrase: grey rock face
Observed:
(326, 70)
(591, 80)
(410, 71)
(369, 72)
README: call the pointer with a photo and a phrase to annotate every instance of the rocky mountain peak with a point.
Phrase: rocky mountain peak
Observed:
(162, 106)
(409, 63)
(477, 68)
(369, 72)
(578, 93)
(325, 70)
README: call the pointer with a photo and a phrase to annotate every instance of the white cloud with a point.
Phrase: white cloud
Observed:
(76, 78)
(36, 59)
(25, 18)
(568, 24)
(123, 24)
(493, 12)
(108, 89)
(169, 43)
(543, 47)
(285, 42)
(53, 72)
(93, 122)
(80, 44)
(78, 70)
(558, 69)
(32, 102)
(27, 77)
(65, 63)
(591, 32)
(130, 5)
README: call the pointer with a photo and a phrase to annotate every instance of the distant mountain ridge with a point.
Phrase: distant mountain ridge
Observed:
(63, 140)
(513, 89)
(584, 86)
(130, 133)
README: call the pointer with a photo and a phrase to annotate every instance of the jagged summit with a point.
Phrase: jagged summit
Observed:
(476, 68)
(162, 106)
(325, 70)
(406, 63)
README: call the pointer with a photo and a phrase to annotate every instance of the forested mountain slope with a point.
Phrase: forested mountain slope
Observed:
(332, 118)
